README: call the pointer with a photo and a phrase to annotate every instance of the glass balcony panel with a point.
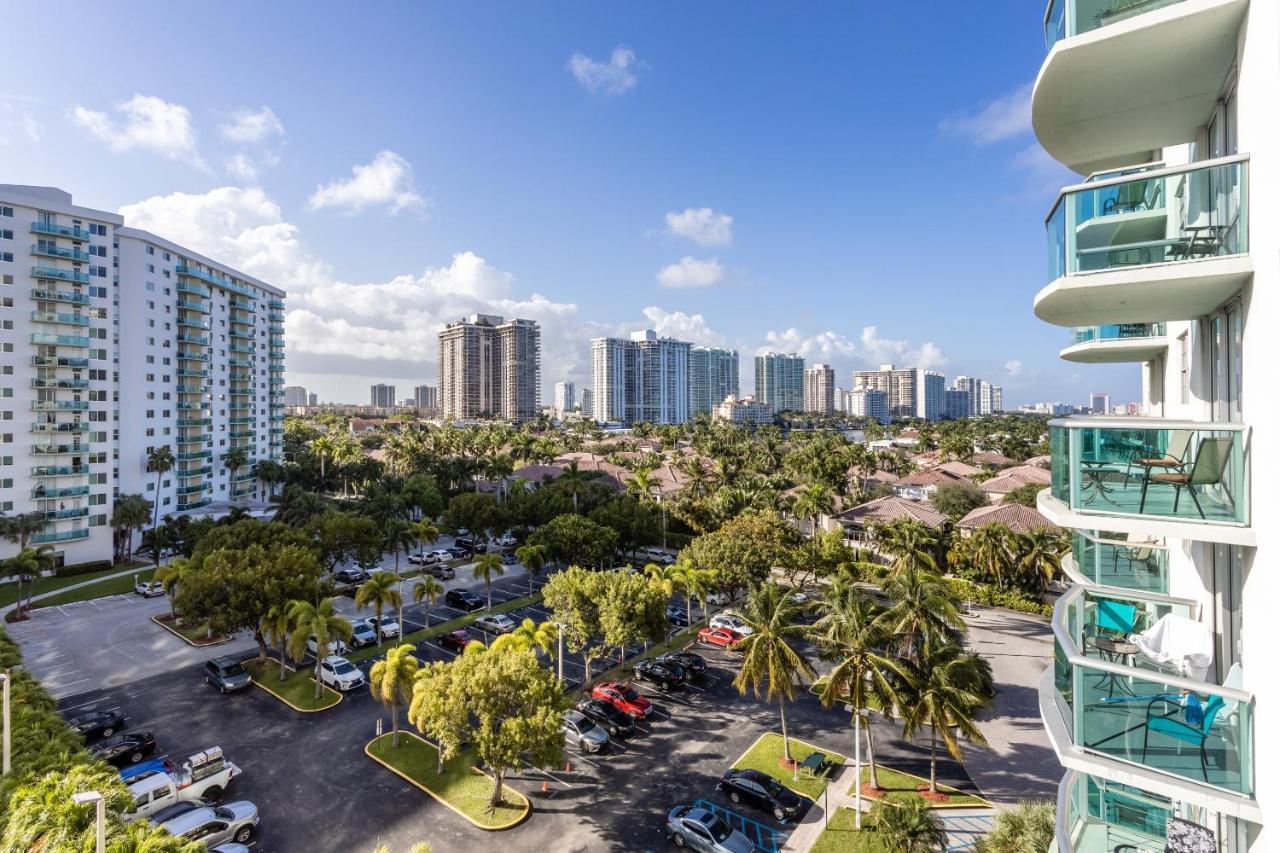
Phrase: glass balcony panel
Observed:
(1169, 469)
(194, 289)
(1103, 816)
(191, 304)
(1117, 332)
(53, 250)
(1155, 218)
(61, 536)
(72, 231)
(193, 504)
(51, 295)
(1109, 559)
(59, 340)
(59, 274)
(59, 317)
(60, 383)
(49, 492)
(1066, 18)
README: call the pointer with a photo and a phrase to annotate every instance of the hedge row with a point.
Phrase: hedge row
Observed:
(82, 568)
(992, 597)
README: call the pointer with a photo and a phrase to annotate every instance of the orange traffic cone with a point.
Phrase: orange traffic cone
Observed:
(546, 786)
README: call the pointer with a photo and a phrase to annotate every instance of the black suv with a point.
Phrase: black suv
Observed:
(607, 717)
(227, 674)
(349, 576)
(665, 676)
(96, 724)
(694, 665)
(463, 600)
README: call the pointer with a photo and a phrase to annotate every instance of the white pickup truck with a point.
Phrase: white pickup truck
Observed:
(204, 775)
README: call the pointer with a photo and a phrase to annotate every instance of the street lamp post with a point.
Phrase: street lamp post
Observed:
(100, 804)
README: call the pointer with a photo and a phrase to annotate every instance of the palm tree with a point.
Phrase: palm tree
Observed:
(129, 513)
(911, 544)
(1040, 555)
(275, 626)
(684, 577)
(910, 827)
(769, 653)
(235, 459)
(534, 558)
(27, 565)
(923, 610)
(665, 578)
(573, 480)
(529, 635)
(424, 531)
(269, 472)
(381, 589)
(321, 621)
(851, 636)
(325, 447)
(298, 506)
(699, 584)
(488, 565)
(160, 461)
(812, 502)
(989, 550)
(945, 693)
(1027, 826)
(171, 577)
(398, 536)
(429, 588)
(391, 683)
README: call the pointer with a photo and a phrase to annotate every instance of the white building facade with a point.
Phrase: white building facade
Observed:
(819, 390)
(565, 398)
(1162, 702)
(119, 342)
(644, 378)
(713, 375)
(780, 381)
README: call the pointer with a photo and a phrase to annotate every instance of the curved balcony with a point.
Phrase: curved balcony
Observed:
(1098, 816)
(72, 231)
(52, 250)
(1111, 560)
(1126, 77)
(1164, 244)
(1150, 477)
(1115, 708)
(55, 295)
(59, 275)
(1116, 343)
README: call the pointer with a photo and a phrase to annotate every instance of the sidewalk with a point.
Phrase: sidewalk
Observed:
(72, 587)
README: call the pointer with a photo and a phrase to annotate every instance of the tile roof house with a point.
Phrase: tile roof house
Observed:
(921, 485)
(1016, 517)
(1012, 478)
(960, 469)
(991, 458)
(855, 521)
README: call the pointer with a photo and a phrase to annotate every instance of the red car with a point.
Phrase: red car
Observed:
(456, 640)
(721, 638)
(624, 697)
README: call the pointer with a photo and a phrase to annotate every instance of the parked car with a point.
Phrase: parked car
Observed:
(96, 724)
(153, 765)
(714, 599)
(455, 640)
(444, 555)
(700, 829)
(471, 547)
(387, 624)
(463, 533)
(442, 570)
(336, 647)
(718, 637)
(461, 599)
(496, 623)
(581, 731)
(507, 540)
(204, 776)
(609, 718)
(455, 552)
(125, 749)
(227, 674)
(657, 555)
(340, 674)
(678, 616)
(694, 665)
(509, 559)
(178, 809)
(236, 822)
(664, 676)
(149, 589)
(362, 634)
(761, 791)
(624, 697)
(732, 622)
(349, 576)
(421, 558)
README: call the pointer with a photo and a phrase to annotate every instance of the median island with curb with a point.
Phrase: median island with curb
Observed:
(297, 690)
(215, 640)
(461, 787)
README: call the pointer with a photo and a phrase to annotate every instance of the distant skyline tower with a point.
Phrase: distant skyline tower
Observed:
(780, 381)
(565, 397)
(819, 389)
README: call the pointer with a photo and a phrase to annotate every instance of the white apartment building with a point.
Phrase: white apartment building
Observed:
(744, 410)
(780, 381)
(713, 375)
(565, 398)
(913, 392)
(984, 397)
(118, 342)
(871, 403)
(645, 378)
(490, 368)
(1162, 702)
(295, 395)
(819, 389)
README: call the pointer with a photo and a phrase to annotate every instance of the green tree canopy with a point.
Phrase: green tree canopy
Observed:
(744, 551)
(575, 539)
(958, 499)
(475, 511)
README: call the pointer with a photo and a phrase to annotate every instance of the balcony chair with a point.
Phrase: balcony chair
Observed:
(1209, 468)
(1134, 196)
(1194, 727)
(1113, 622)
(1174, 455)
(1137, 554)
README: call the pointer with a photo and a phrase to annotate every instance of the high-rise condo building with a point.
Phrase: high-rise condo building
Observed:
(1100, 403)
(587, 409)
(490, 368)
(295, 395)
(984, 398)
(313, 399)
(743, 410)
(820, 389)
(565, 398)
(912, 392)
(382, 395)
(958, 405)
(120, 343)
(645, 378)
(780, 381)
(713, 375)
(871, 403)
(426, 398)
(1161, 701)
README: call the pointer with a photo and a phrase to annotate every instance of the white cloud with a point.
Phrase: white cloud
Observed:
(702, 225)
(679, 325)
(1013, 368)
(144, 122)
(246, 167)
(1004, 118)
(877, 350)
(691, 272)
(613, 77)
(251, 126)
(388, 181)
(821, 347)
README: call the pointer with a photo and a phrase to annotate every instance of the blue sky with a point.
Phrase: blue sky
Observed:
(856, 181)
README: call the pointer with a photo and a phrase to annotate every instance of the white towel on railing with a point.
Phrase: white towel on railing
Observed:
(1178, 643)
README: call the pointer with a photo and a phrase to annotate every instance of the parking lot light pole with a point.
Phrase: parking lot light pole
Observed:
(8, 729)
(100, 804)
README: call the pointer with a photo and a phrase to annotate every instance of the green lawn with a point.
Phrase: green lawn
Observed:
(9, 591)
(439, 628)
(903, 786)
(766, 756)
(841, 837)
(459, 786)
(297, 689)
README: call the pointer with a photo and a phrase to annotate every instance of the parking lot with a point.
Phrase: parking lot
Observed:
(316, 789)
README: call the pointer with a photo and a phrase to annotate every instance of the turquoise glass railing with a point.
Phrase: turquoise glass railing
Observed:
(47, 427)
(1117, 332)
(73, 512)
(61, 275)
(1066, 18)
(60, 383)
(191, 304)
(61, 536)
(59, 317)
(1112, 560)
(1099, 816)
(194, 290)
(53, 250)
(69, 492)
(60, 405)
(186, 473)
(72, 231)
(53, 295)
(1151, 468)
(1183, 213)
(59, 340)
(58, 470)
(195, 504)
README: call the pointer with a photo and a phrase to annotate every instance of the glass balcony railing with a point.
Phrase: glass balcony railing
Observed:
(72, 512)
(60, 275)
(1120, 698)
(59, 340)
(72, 231)
(242, 348)
(53, 295)
(191, 304)
(194, 490)
(58, 361)
(195, 422)
(187, 473)
(61, 536)
(240, 362)
(59, 470)
(193, 504)
(60, 383)
(68, 492)
(59, 317)
(48, 427)
(187, 322)
(193, 355)
(275, 303)
(240, 421)
(184, 406)
(188, 338)
(1066, 18)
(195, 455)
(60, 405)
(194, 289)
(245, 433)
(1112, 560)
(59, 449)
(275, 316)
(193, 389)
(1100, 816)
(1117, 332)
(203, 275)
(52, 250)
(199, 374)
(1150, 468)
(1184, 213)
(240, 334)
(242, 305)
